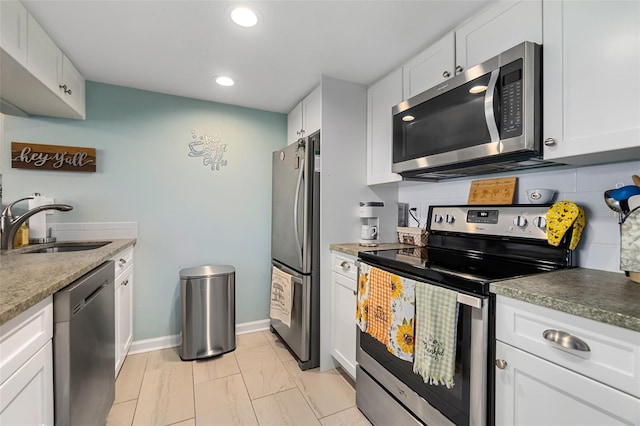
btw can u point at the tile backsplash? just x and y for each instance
(600, 244)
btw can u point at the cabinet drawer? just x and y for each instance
(613, 357)
(344, 265)
(24, 335)
(123, 260)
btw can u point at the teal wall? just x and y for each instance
(187, 214)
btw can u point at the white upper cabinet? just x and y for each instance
(381, 98)
(306, 117)
(35, 75)
(587, 119)
(430, 67)
(13, 30)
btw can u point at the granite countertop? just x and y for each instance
(354, 248)
(607, 297)
(28, 278)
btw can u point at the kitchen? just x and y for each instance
(189, 214)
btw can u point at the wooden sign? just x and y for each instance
(492, 191)
(52, 157)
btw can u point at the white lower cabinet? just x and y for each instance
(123, 306)
(553, 368)
(26, 367)
(343, 311)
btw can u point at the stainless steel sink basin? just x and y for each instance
(66, 247)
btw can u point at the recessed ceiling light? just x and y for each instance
(244, 17)
(225, 81)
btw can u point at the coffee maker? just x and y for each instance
(369, 223)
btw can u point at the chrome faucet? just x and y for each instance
(10, 224)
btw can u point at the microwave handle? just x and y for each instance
(489, 112)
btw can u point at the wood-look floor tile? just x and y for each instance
(122, 414)
(130, 378)
(277, 345)
(215, 368)
(284, 408)
(326, 392)
(349, 417)
(224, 401)
(164, 358)
(190, 422)
(250, 341)
(263, 372)
(166, 396)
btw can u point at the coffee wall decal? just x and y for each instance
(34, 156)
(210, 148)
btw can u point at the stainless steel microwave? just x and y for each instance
(485, 120)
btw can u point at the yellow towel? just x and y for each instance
(560, 217)
(362, 302)
(379, 313)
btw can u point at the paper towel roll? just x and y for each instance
(38, 222)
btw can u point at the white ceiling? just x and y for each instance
(177, 47)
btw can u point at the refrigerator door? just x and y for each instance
(291, 206)
(297, 336)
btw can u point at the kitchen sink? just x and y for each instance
(66, 247)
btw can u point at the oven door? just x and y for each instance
(463, 404)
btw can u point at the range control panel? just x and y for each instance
(519, 220)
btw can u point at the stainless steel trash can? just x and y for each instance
(208, 297)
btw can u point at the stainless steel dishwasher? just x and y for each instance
(84, 348)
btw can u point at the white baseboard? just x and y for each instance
(164, 342)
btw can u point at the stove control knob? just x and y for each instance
(540, 222)
(449, 218)
(437, 218)
(520, 221)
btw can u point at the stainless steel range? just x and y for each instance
(468, 248)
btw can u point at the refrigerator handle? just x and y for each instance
(295, 212)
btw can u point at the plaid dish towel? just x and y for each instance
(362, 301)
(436, 329)
(403, 308)
(379, 315)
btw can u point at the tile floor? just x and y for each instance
(257, 384)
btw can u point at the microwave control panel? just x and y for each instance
(511, 79)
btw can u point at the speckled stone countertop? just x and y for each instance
(354, 248)
(607, 297)
(28, 278)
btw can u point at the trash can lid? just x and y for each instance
(207, 271)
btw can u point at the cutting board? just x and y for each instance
(492, 191)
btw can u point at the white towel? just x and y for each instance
(281, 296)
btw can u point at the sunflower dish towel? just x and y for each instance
(560, 217)
(403, 306)
(362, 302)
(379, 312)
(436, 331)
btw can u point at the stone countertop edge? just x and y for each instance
(353, 248)
(28, 278)
(606, 297)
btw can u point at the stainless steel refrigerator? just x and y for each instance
(295, 242)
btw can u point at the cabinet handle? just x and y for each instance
(125, 282)
(501, 364)
(345, 265)
(459, 69)
(566, 340)
(355, 292)
(446, 74)
(122, 262)
(66, 90)
(550, 142)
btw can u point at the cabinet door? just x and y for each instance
(432, 66)
(343, 324)
(74, 82)
(123, 316)
(587, 119)
(500, 27)
(44, 59)
(532, 391)
(381, 98)
(294, 124)
(312, 112)
(26, 398)
(13, 30)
